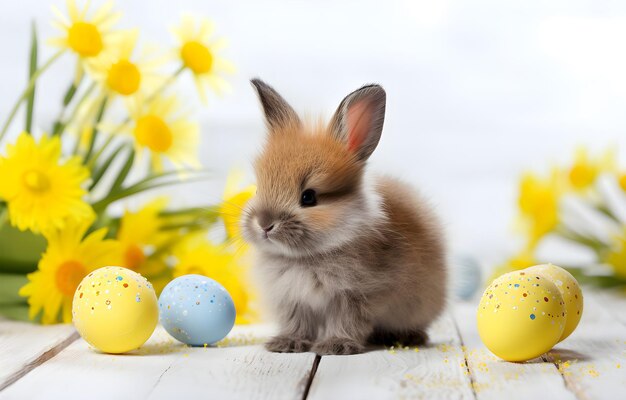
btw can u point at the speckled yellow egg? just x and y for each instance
(521, 316)
(115, 309)
(570, 290)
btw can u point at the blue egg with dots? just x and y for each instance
(196, 310)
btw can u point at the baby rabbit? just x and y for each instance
(344, 260)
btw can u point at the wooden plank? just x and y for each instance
(493, 378)
(24, 346)
(593, 359)
(614, 302)
(434, 371)
(165, 369)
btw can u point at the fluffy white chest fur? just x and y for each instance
(294, 283)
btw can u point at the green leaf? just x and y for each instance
(99, 173)
(200, 211)
(141, 186)
(17, 312)
(121, 177)
(20, 251)
(10, 285)
(32, 68)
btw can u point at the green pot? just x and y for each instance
(19, 251)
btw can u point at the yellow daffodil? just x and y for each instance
(622, 181)
(160, 129)
(42, 190)
(233, 204)
(198, 53)
(523, 259)
(538, 203)
(69, 257)
(585, 170)
(197, 255)
(140, 237)
(121, 73)
(616, 256)
(84, 33)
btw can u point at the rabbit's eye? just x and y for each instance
(309, 199)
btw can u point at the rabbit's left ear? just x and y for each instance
(358, 121)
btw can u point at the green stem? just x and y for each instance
(112, 197)
(165, 84)
(94, 134)
(92, 163)
(27, 91)
(99, 172)
(32, 68)
(67, 98)
(193, 210)
(74, 113)
(121, 177)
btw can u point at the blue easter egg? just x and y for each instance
(466, 277)
(196, 310)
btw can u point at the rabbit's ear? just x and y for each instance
(278, 113)
(358, 122)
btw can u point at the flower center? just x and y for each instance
(196, 57)
(36, 182)
(124, 77)
(152, 132)
(582, 176)
(85, 39)
(134, 257)
(68, 276)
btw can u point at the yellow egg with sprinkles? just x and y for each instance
(521, 316)
(570, 290)
(115, 309)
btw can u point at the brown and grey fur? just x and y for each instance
(367, 263)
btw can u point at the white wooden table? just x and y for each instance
(53, 362)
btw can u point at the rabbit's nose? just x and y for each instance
(265, 221)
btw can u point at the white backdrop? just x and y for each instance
(477, 91)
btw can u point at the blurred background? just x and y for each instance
(478, 92)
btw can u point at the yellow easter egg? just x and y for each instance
(570, 290)
(115, 309)
(521, 316)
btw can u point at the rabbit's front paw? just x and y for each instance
(287, 344)
(338, 346)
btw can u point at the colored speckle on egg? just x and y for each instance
(126, 285)
(532, 316)
(517, 285)
(545, 299)
(119, 278)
